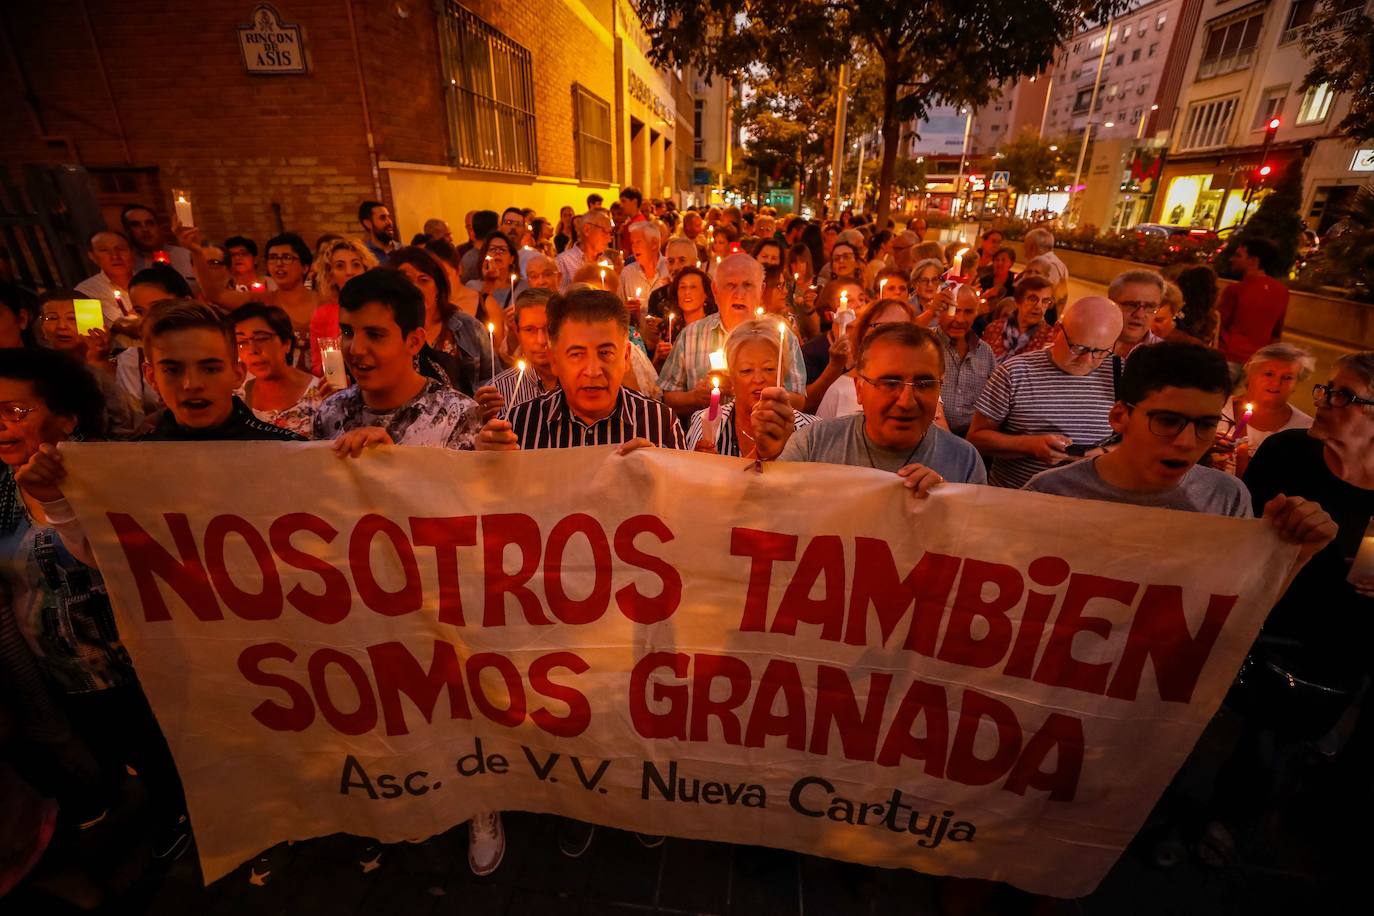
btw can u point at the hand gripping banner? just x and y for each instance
(984, 683)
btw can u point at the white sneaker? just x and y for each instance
(486, 842)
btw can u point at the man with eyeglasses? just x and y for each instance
(242, 253)
(1138, 293)
(518, 385)
(897, 380)
(1044, 408)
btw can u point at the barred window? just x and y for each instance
(1207, 124)
(592, 128)
(490, 95)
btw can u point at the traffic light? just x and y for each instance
(1264, 171)
(1274, 123)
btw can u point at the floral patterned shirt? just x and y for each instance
(438, 416)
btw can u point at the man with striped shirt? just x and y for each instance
(686, 376)
(1044, 408)
(516, 386)
(589, 337)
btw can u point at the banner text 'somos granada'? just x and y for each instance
(961, 671)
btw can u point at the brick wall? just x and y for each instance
(238, 143)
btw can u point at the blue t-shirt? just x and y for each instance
(842, 440)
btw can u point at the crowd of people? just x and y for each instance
(735, 332)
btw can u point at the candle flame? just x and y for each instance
(491, 328)
(715, 382)
(758, 312)
(1249, 408)
(520, 364)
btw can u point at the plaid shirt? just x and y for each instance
(690, 360)
(964, 378)
(547, 422)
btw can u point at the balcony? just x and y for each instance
(1226, 63)
(1338, 21)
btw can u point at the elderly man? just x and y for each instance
(437, 228)
(904, 251)
(897, 380)
(594, 234)
(588, 332)
(541, 272)
(150, 243)
(1039, 243)
(1139, 294)
(1041, 409)
(649, 270)
(111, 252)
(738, 288)
(968, 361)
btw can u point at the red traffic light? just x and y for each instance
(1274, 123)
(1265, 171)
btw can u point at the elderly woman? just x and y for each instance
(276, 391)
(1302, 684)
(926, 277)
(751, 353)
(58, 597)
(1271, 375)
(57, 330)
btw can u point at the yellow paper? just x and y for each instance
(89, 315)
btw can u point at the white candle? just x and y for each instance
(491, 341)
(758, 312)
(782, 348)
(1363, 567)
(181, 201)
(333, 363)
(717, 358)
(670, 327)
(882, 285)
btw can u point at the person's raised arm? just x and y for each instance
(223, 297)
(833, 371)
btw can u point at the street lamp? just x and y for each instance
(963, 157)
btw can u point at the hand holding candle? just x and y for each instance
(1243, 425)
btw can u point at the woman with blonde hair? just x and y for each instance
(337, 262)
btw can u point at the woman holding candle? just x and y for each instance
(456, 350)
(337, 262)
(497, 258)
(753, 364)
(276, 391)
(926, 278)
(1262, 408)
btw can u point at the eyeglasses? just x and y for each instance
(927, 281)
(1083, 349)
(1167, 424)
(1032, 299)
(14, 413)
(281, 258)
(256, 340)
(892, 387)
(1329, 396)
(1136, 305)
(51, 318)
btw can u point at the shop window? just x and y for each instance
(490, 96)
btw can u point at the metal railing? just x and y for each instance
(1338, 21)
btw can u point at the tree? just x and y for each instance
(1343, 59)
(1031, 162)
(957, 52)
(1346, 258)
(1278, 219)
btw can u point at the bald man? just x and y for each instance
(1042, 409)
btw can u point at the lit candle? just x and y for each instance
(119, 301)
(782, 348)
(717, 358)
(1244, 423)
(713, 414)
(514, 279)
(670, 327)
(491, 340)
(844, 299)
(796, 279)
(603, 277)
(959, 261)
(182, 205)
(256, 287)
(519, 364)
(758, 312)
(639, 292)
(1363, 567)
(882, 285)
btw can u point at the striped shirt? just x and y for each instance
(1029, 395)
(690, 360)
(964, 379)
(516, 388)
(548, 422)
(727, 443)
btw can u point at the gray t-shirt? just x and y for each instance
(1202, 489)
(842, 441)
